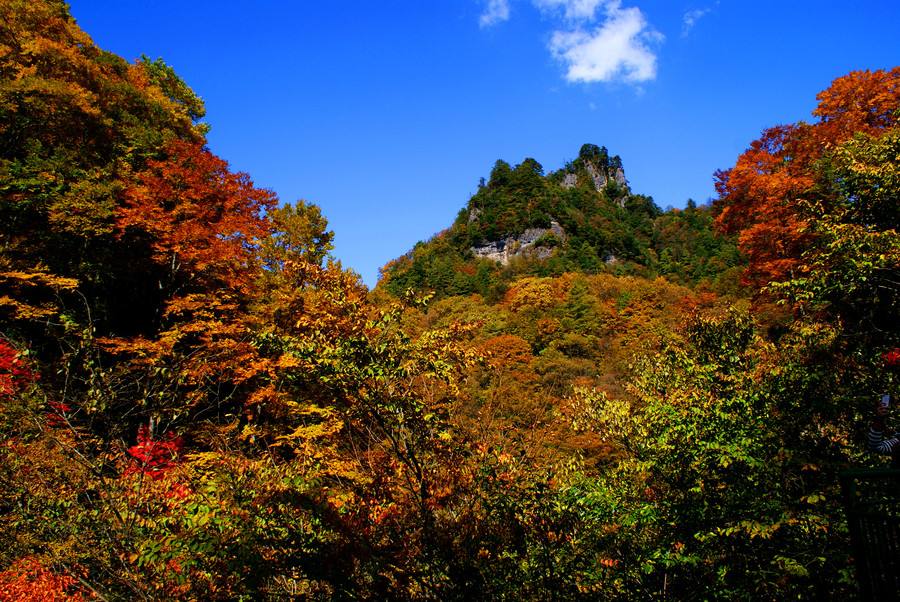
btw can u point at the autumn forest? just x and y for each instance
(568, 394)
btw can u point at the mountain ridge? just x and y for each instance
(583, 217)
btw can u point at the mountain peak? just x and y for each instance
(596, 166)
(583, 217)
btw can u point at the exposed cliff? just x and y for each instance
(533, 242)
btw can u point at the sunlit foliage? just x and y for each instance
(198, 402)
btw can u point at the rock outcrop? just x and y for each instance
(599, 176)
(527, 243)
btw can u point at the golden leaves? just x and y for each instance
(28, 292)
(38, 277)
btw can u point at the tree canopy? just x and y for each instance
(197, 401)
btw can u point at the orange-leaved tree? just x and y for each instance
(780, 184)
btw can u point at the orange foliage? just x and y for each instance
(203, 225)
(766, 197)
(536, 293)
(202, 218)
(507, 350)
(861, 101)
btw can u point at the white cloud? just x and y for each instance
(574, 9)
(619, 49)
(495, 12)
(598, 40)
(690, 19)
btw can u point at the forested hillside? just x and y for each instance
(582, 218)
(198, 402)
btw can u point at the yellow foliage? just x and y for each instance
(30, 295)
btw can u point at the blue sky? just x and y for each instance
(387, 113)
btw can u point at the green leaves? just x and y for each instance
(712, 489)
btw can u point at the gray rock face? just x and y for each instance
(599, 177)
(521, 245)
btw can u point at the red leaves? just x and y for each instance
(14, 374)
(891, 358)
(30, 581)
(154, 456)
(57, 414)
